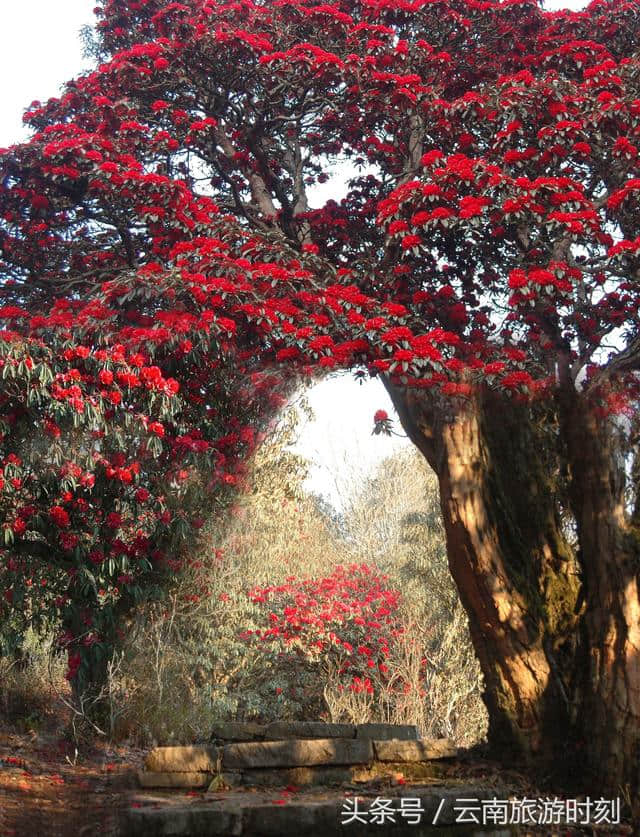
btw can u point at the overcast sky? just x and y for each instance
(41, 50)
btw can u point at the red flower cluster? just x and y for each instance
(59, 517)
(349, 616)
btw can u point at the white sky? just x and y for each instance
(41, 50)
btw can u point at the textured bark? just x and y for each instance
(514, 570)
(610, 557)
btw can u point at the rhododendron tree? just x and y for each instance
(484, 263)
(106, 473)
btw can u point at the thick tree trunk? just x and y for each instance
(609, 540)
(514, 570)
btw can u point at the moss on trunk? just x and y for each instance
(610, 559)
(512, 563)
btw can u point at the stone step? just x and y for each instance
(297, 753)
(155, 779)
(280, 730)
(415, 751)
(387, 732)
(164, 765)
(241, 731)
(183, 760)
(337, 776)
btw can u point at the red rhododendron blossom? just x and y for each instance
(59, 517)
(410, 241)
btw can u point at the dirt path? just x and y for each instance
(42, 793)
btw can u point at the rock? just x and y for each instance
(279, 730)
(294, 753)
(182, 760)
(151, 779)
(238, 731)
(325, 818)
(181, 820)
(422, 750)
(387, 732)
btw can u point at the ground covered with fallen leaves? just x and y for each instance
(47, 790)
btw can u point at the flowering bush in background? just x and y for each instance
(345, 623)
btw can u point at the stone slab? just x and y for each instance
(414, 771)
(320, 776)
(182, 760)
(387, 732)
(190, 820)
(150, 779)
(412, 751)
(321, 819)
(279, 730)
(297, 753)
(238, 731)
(324, 818)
